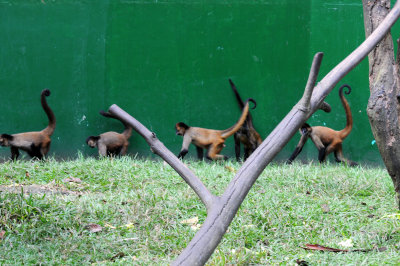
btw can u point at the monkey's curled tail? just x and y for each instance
(128, 129)
(349, 123)
(230, 131)
(52, 119)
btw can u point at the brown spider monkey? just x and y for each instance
(36, 144)
(247, 135)
(111, 143)
(326, 139)
(210, 139)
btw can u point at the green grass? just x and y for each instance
(140, 205)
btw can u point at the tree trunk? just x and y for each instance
(383, 106)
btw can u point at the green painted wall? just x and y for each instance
(169, 61)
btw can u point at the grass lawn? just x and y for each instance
(142, 205)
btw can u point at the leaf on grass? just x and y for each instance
(392, 216)
(191, 221)
(230, 168)
(129, 226)
(348, 243)
(195, 227)
(2, 233)
(325, 208)
(110, 226)
(302, 262)
(118, 256)
(381, 249)
(322, 248)
(72, 179)
(94, 228)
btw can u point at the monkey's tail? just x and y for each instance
(241, 103)
(52, 119)
(349, 119)
(230, 131)
(238, 98)
(128, 129)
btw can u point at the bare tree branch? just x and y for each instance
(158, 148)
(304, 103)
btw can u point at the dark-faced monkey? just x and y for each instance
(36, 144)
(326, 139)
(247, 135)
(111, 143)
(210, 139)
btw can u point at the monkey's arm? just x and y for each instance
(298, 149)
(185, 146)
(102, 148)
(124, 149)
(14, 153)
(320, 146)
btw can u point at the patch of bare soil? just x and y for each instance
(39, 189)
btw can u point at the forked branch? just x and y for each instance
(304, 103)
(222, 211)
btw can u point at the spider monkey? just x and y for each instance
(36, 144)
(326, 139)
(210, 139)
(247, 135)
(111, 143)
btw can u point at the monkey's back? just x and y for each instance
(326, 134)
(203, 137)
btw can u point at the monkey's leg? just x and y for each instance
(214, 150)
(237, 146)
(14, 153)
(298, 149)
(199, 153)
(37, 151)
(339, 155)
(333, 147)
(45, 149)
(341, 159)
(124, 149)
(247, 152)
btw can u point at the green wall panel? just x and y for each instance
(169, 61)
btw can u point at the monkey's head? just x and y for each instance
(305, 129)
(5, 140)
(92, 141)
(181, 128)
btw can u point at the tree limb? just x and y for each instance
(304, 103)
